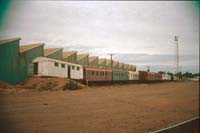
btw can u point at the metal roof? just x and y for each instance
(49, 51)
(101, 60)
(92, 58)
(4, 41)
(80, 56)
(68, 53)
(24, 48)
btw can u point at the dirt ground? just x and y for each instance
(137, 108)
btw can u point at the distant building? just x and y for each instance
(102, 63)
(30, 52)
(12, 67)
(115, 64)
(108, 63)
(83, 59)
(93, 61)
(121, 66)
(54, 53)
(70, 56)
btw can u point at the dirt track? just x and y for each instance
(110, 109)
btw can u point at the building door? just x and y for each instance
(69, 72)
(35, 68)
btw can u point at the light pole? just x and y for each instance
(177, 56)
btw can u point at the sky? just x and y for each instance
(136, 32)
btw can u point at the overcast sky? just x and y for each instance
(140, 33)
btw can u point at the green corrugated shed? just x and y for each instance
(12, 67)
(115, 65)
(54, 53)
(102, 63)
(120, 75)
(83, 59)
(30, 52)
(121, 66)
(108, 63)
(93, 61)
(70, 56)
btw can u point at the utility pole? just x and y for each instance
(177, 56)
(111, 63)
(111, 60)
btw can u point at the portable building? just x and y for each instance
(102, 63)
(97, 74)
(93, 61)
(12, 67)
(120, 75)
(115, 65)
(70, 56)
(82, 59)
(54, 53)
(50, 67)
(133, 75)
(30, 52)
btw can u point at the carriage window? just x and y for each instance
(78, 68)
(56, 64)
(97, 73)
(73, 67)
(63, 65)
(103, 73)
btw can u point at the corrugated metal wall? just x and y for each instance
(72, 58)
(29, 55)
(12, 67)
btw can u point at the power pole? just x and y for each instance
(111, 60)
(177, 56)
(111, 63)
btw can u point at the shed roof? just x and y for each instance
(24, 48)
(68, 53)
(92, 58)
(108, 61)
(115, 63)
(121, 64)
(3, 41)
(101, 60)
(49, 51)
(80, 56)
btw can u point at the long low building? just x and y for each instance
(44, 66)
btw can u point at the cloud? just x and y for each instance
(103, 27)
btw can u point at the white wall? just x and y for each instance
(133, 75)
(47, 68)
(166, 77)
(77, 74)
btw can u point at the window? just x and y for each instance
(103, 73)
(63, 65)
(78, 68)
(73, 67)
(92, 72)
(56, 64)
(97, 73)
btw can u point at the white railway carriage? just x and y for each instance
(166, 76)
(44, 66)
(133, 75)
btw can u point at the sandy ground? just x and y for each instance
(137, 108)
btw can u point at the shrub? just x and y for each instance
(71, 86)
